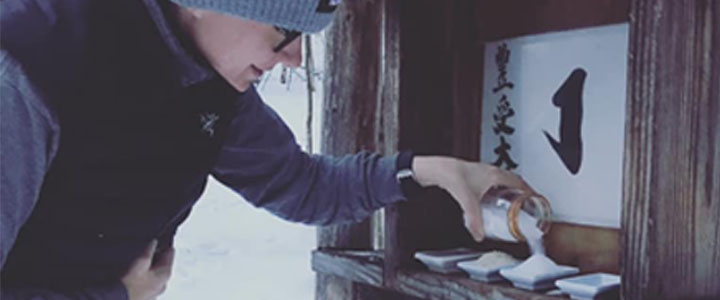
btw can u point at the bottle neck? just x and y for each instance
(542, 214)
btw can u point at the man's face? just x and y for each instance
(240, 50)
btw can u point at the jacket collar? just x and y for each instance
(192, 69)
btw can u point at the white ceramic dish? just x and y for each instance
(588, 286)
(445, 261)
(537, 282)
(480, 273)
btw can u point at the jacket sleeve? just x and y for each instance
(262, 162)
(29, 134)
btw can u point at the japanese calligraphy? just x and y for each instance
(504, 111)
(570, 101)
(503, 152)
(501, 59)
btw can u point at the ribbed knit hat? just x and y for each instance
(297, 15)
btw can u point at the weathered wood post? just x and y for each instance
(671, 205)
(358, 114)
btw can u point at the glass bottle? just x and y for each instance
(514, 215)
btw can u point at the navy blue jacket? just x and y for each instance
(110, 128)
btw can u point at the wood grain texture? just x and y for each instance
(671, 197)
(374, 293)
(389, 96)
(420, 61)
(358, 114)
(438, 114)
(360, 104)
(366, 267)
(512, 18)
(429, 285)
(359, 266)
(349, 102)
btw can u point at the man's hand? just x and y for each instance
(467, 182)
(146, 280)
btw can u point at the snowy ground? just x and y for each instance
(230, 250)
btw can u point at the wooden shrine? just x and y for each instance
(407, 74)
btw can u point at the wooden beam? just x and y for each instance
(366, 267)
(427, 285)
(439, 70)
(359, 266)
(358, 114)
(513, 18)
(671, 197)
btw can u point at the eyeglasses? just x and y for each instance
(290, 36)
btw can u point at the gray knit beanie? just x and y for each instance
(297, 15)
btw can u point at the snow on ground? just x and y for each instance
(231, 250)
(228, 249)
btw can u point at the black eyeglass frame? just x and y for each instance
(290, 36)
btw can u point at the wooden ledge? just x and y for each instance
(430, 285)
(367, 267)
(359, 266)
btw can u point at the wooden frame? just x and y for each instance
(421, 65)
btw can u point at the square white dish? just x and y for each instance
(540, 281)
(445, 261)
(588, 286)
(481, 273)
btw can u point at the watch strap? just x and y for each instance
(405, 175)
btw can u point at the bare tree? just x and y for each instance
(309, 75)
(309, 72)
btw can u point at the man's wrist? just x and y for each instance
(434, 170)
(405, 174)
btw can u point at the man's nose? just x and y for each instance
(291, 55)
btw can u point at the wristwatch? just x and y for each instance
(405, 176)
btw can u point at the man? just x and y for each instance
(114, 113)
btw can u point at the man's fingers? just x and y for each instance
(164, 262)
(472, 215)
(149, 273)
(523, 184)
(144, 261)
(474, 224)
(150, 250)
(513, 180)
(165, 259)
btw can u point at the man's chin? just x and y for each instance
(241, 86)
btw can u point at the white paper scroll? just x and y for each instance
(581, 174)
